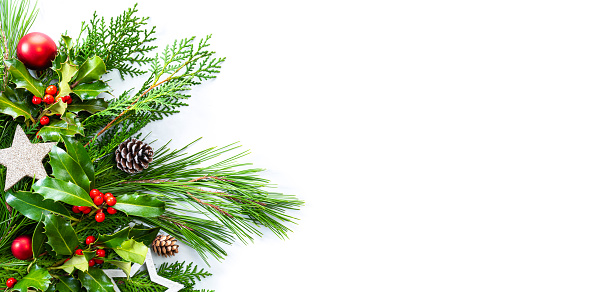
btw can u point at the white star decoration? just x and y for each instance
(23, 159)
(117, 273)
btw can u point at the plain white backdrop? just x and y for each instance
(439, 145)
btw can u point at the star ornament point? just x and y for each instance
(23, 158)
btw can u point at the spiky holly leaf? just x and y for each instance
(38, 278)
(59, 190)
(66, 72)
(33, 205)
(124, 266)
(91, 70)
(78, 262)
(140, 205)
(58, 108)
(23, 79)
(13, 102)
(131, 250)
(68, 125)
(66, 168)
(95, 280)
(60, 234)
(68, 284)
(79, 154)
(90, 90)
(92, 106)
(39, 239)
(143, 234)
(115, 239)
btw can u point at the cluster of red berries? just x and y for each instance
(49, 98)
(10, 282)
(101, 200)
(99, 252)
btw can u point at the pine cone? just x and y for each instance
(133, 156)
(164, 245)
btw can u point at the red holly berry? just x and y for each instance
(100, 217)
(79, 251)
(10, 282)
(67, 99)
(110, 200)
(90, 240)
(44, 120)
(98, 200)
(49, 99)
(86, 210)
(91, 263)
(98, 261)
(100, 253)
(111, 210)
(66, 260)
(36, 100)
(94, 192)
(75, 209)
(52, 89)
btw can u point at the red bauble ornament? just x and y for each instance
(36, 50)
(10, 282)
(22, 247)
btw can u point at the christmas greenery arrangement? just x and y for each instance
(86, 201)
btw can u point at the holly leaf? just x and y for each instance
(115, 239)
(66, 72)
(58, 107)
(23, 79)
(59, 190)
(131, 250)
(38, 278)
(68, 284)
(67, 126)
(92, 69)
(79, 154)
(92, 106)
(95, 280)
(67, 41)
(140, 205)
(60, 234)
(38, 240)
(67, 169)
(144, 234)
(124, 266)
(14, 108)
(89, 255)
(78, 262)
(90, 90)
(33, 205)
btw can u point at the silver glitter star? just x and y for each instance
(117, 273)
(23, 159)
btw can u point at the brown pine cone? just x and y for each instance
(164, 245)
(133, 156)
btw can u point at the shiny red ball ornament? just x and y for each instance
(10, 282)
(44, 120)
(100, 217)
(22, 247)
(100, 253)
(90, 240)
(36, 100)
(111, 210)
(52, 89)
(36, 50)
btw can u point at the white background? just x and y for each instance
(439, 145)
